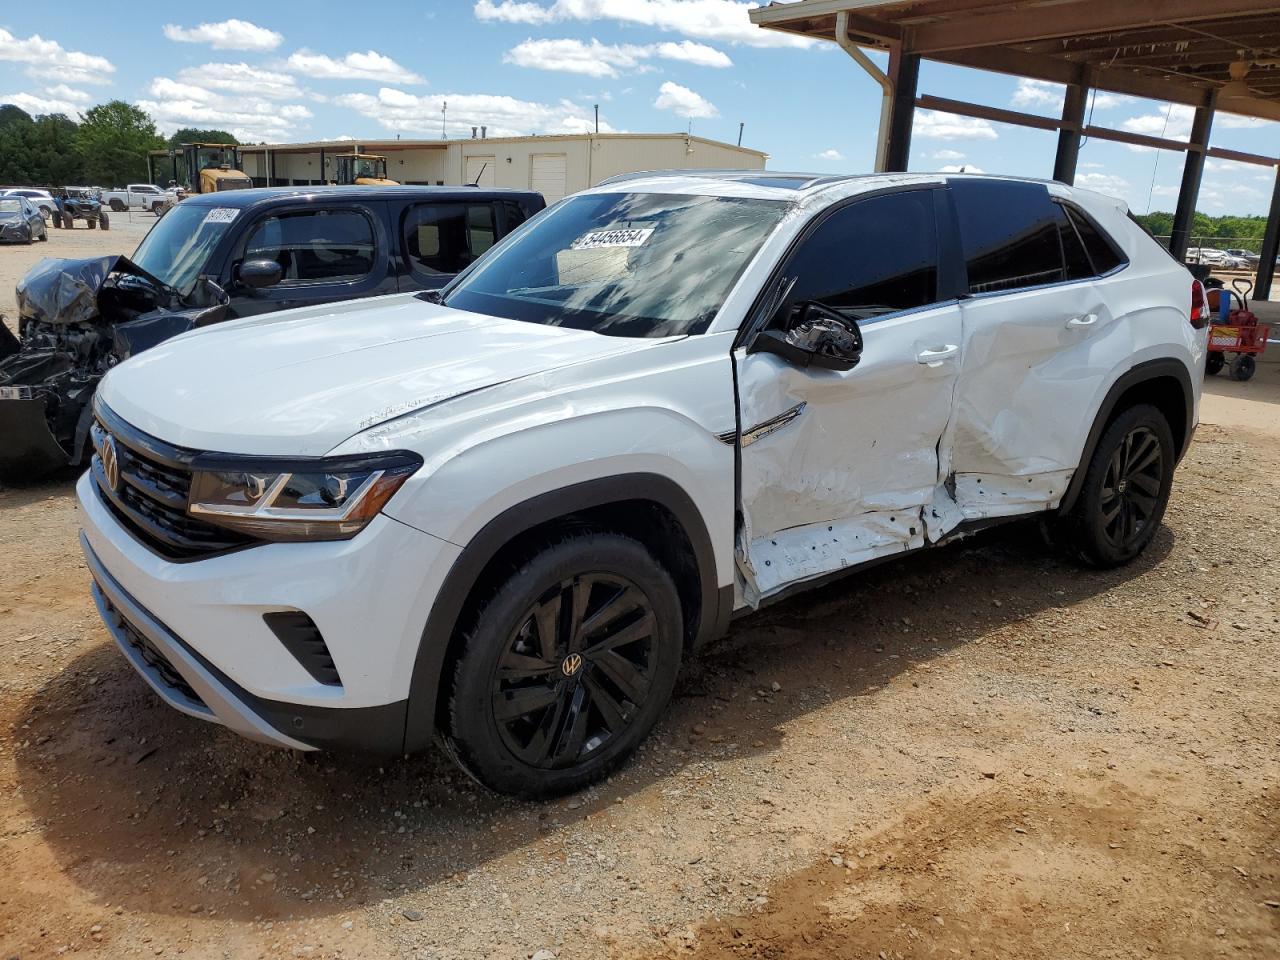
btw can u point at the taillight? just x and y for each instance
(1200, 313)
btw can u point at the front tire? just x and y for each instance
(117, 205)
(1242, 367)
(568, 666)
(1126, 488)
(1213, 362)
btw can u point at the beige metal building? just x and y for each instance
(553, 165)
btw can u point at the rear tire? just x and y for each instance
(1243, 367)
(116, 205)
(68, 221)
(1213, 362)
(543, 702)
(1126, 488)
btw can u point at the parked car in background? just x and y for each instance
(219, 256)
(503, 513)
(21, 221)
(136, 196)
(43, 199)
(1246, 258)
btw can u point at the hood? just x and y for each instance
(66, 291)
(298, 383)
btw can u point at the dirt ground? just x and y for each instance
(984, 751)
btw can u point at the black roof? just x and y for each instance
(253, 195)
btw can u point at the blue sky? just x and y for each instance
(319, 70)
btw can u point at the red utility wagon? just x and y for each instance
(1241, 333)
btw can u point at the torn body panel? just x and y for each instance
(837, 466)
(77, 319)
(1032, 368)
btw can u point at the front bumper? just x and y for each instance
(369, 597)
(17, 234)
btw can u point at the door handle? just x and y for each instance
(1088, 320)
(937, 355)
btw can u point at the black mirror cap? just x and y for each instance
(260, 273)
(816, 336)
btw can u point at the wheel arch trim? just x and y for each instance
(1145, 372)
(480, 550)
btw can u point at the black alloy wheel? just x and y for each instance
(576, 671)
(566, 667)
(1131, 487)
(1126, 488)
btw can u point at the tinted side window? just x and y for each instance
(315, 245)
(442, 238)
(1009, 234)
(1102, 251)
(873, 257)
(1073, 253)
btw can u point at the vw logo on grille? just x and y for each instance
(110, 463)
(572, 664)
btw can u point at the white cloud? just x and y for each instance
(1101, 100)
(831, 154)
(1090, 165)
(504, 116)
(37, 104)
(49, 59)
(174, 104)
(512, 11)
(682, 100)
(946, 154)
(1233, 121)
(63, 92)
(1172, 123)
(724, 20)
(936, 125)
(1038, 93)
(961, 168)
(369, 65)
(1108, 183)
(596, 59)
(242, 78)
(226, 35)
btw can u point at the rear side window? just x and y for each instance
(873, 257)
(1009, 233)
(1074, 255)
(313, 245)
(515, 214)
(1102, 251)
(443, 238)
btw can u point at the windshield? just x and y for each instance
(178, 247)
(10, 206)
(374, 169)
(624, 264)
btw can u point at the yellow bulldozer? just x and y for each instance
(362, 169)
(202, 167)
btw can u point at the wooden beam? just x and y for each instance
(1080, 18)
(927, 102)
(1134, 139)
(1221, 153)
(1016, 63)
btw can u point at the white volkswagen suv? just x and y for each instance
(503, 514)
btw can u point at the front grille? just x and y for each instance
(152, 656)
(150, 494)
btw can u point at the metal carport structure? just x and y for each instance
(1208, 54)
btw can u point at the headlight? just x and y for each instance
(313, 499)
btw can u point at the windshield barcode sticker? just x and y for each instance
(613, 238)
(221, 215)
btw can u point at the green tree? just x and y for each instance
(196, 135)
(15, 145)
(113, 140)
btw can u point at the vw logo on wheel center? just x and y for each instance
(572, 664)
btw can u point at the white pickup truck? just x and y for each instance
(135, 196)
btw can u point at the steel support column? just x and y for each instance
(904, 73)
(1064, 163)
(1192, 171)
(1270, 246)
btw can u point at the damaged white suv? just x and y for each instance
(503, 515)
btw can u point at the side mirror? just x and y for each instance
(816, 336)
(260, 273)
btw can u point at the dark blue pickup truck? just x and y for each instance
(215, 257)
